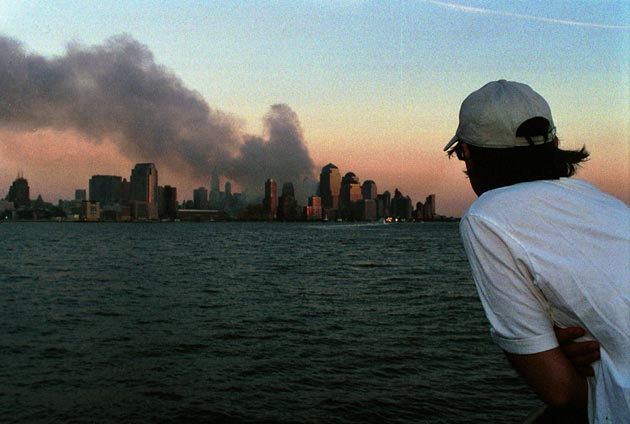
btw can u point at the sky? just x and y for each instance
(285, 87)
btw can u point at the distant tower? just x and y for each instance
(314, 209)
(19, 192)
(228, 189)
(288, 209)
(349, 194)
(270, 203)
(170, 202)
(80, 195)
(383, 205)
(144, 188)
(368, 190)
(215, 190)
(428, 211)
(401, 208)
(200, 198)
(329, 186)
(105, 189)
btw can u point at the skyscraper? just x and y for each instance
(349, 194)
(368, 190)
(329, 186)
(105, 189)
(215, 191)
(169, 197)
(200, 198)
(19, 192)
(144, 189)
(80, 195)
(288, 209)
(270, 204)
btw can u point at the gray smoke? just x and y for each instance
(117, 91)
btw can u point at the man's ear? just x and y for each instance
(466, 151)
(555, 142)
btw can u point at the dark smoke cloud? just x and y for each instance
(117, 91)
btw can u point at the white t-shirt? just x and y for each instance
(557, 251)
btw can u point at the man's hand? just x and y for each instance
(580, 354)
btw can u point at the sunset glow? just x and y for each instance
(375, 87)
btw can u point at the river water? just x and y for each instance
(246, 323)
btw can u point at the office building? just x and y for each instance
(288, 209)
(19, 192)
(402, 209)
(330, 186)
(143, 191)
(349, 194)
(105, 189)
(200, 198)
(168, 203)
(313, 212)
(270, 203)
(80, 195)
(368, 190)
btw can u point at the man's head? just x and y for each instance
(506, 135)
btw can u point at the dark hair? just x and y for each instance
(503, 167)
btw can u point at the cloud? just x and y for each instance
(116, 91)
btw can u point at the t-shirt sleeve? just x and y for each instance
(514, 306)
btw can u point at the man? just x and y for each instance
(545, 250)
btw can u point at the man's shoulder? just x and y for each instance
(528, 195)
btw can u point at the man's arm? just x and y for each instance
(580, 354)
(553, 377)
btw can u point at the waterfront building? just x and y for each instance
(80, 194)
(168, 203)
(270, 203)
(91, 211)
(365, 210)
(288, 209)
(143, 189)
(383, 205)
(19, 192)
(215, 190)
(401, 208)
(368, 190)
(330, 186)
(313, 212)
(200, 198)
(350, 193)
(105, 189)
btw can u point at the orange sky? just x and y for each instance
(56, 164)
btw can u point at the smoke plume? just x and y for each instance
(116, 91)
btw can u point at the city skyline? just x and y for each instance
(373, 86)
(346, 199)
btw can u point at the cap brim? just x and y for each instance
(454, 140)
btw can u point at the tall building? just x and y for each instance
(215, 191)
(314, 209)
(368, 190)
(329, 186)
(144, 189)
(19, 192)
(270, 204)
(200, 198)
(105, 189)
(349, 194)
(383, 205)
(80, 195)
(402, 208)
(168, 203)
(288, 209)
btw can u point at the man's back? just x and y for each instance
(557, 251)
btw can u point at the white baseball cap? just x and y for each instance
(490, 116)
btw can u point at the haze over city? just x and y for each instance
(278, 89)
